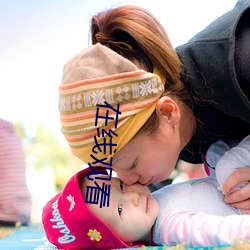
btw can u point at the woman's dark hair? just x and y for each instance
(137, 35)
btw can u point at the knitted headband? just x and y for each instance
(95, 76)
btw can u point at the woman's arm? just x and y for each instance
(237, 157)
(231, 161)
(233, 175)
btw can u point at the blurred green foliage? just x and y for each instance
(45, 150)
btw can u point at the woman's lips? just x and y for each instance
(148, 183)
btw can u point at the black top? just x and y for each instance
(217, 67)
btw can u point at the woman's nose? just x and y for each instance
(127, 178)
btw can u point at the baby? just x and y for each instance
(191, 212)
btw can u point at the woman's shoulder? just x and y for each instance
(209, 65)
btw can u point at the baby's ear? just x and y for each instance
(168, 109)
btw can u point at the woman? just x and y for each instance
(206, 93)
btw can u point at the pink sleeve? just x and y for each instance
(201, 229)
(15, 200)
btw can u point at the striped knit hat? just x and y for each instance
(98, 75)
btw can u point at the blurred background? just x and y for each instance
(37, 38)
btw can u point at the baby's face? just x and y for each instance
(132, 210)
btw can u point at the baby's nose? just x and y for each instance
(133, 197)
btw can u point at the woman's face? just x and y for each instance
(148, 159)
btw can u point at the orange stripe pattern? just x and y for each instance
(134, 91)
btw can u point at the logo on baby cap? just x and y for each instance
(71, 201)
(66, 237)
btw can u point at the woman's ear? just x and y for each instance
(168, 109)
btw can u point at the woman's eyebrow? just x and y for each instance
(116, 161)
